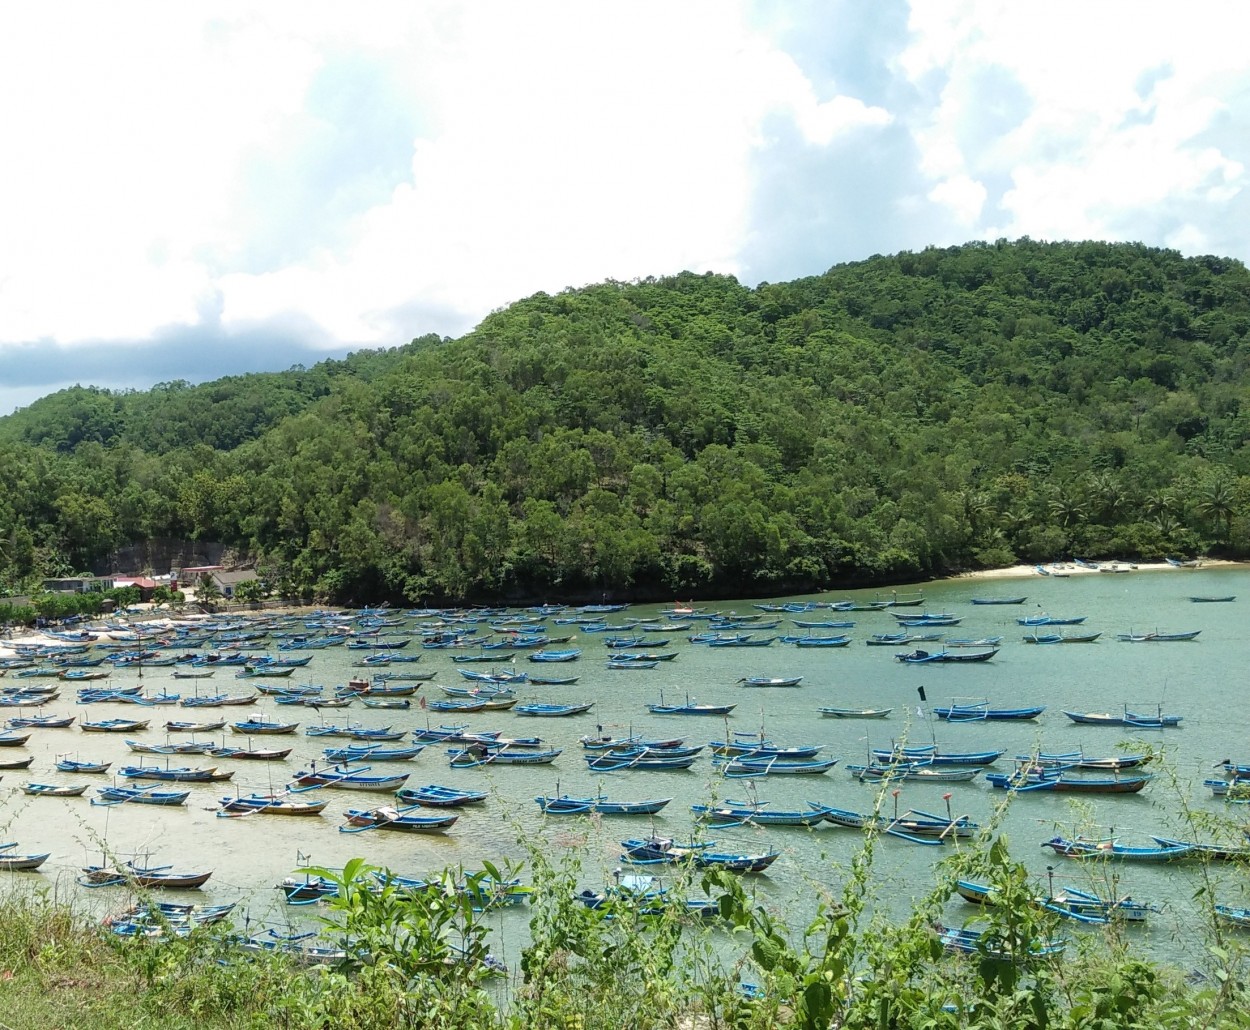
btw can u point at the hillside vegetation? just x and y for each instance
(891, 419)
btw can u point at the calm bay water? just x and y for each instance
(1204, 680)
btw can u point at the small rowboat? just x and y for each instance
(742, 813)
(433, 795)
(855, 713)
(1140, 720)
(400, 819)
(260, 754)
(928, 754)
(1068, 902)
(1214, 600)
(41, 722)
(372, 753)
(1238, 917)
(1028, 778)
(13, 739)
(54, 790)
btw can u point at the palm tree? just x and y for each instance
(1217, 501)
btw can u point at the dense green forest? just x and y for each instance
(891, 419)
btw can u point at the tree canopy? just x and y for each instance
(894, 418)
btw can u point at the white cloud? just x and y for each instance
(334, 176)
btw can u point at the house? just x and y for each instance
(78, 584)
(226, 582)
(145, 584)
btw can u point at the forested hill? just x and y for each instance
(686, 436)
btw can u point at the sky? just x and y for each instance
(197, 190)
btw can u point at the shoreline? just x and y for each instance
(1061, 570)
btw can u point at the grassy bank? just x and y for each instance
(422, 961)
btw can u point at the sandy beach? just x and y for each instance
(1062, 569)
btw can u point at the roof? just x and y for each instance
(142, 582)
(238, 576)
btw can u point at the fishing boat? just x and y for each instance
(54, 790)
(1110, 847)
(980, 711)
(553, 681)
(897, 639)
(1156, 636)
(639, 758)
(564, 804)
(981, 642)
(13, 739)
(1027, 778)
(473, 757)
(930, 754)
(966, 940)
(195, 727)
(434, 795)
(73, 765)
(921, 657)
(548, 710)
(565, 655)
(182, 774)
(743, 766)
(140, 796)
(271, 804)
(1238, 917)
(1139, 720)
(40, 722)
(263, 726)
(402, 820)
(349, 779)
(1079, 760)
(260, 754)
(741, 813)
(690, 707)
(16, 763)
(655, 850)
(14, 863)
(1061, 638)
(855, 713)
(373, 753)
(1068, 902)
(919, 771)
(136, 876)
(114, 725)
(771, 681)
(999, 600)
(924, 827)
(1042, 619)
(1223, 599)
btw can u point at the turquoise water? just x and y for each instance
(1203, 680)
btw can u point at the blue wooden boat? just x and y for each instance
(72, 765)
(1156, 637)
(817, 641)
(1079, 760)
(983, 642)
(140, 796)
(740, 813)
(855, 713)
(569, 655)
(897, 639)
(999, 600)
(1028, 778)
(913, 824)
(1215, 852)
(1238, 917)
(553, 681)
(631, 665)
(178, 774)
(114, 725)
(1223, 599)
(743, 767)
(434, 795)
(1138, 720)
(756, 745)
(606, 742)
(923, 772)
(859, 821)
(372, 753)
(739, 641)
(547, 710)
(1110, 847)
(498, 676)
(980, 711)
(349, 778)
(263, 726)
(564, 804)
(40, 722)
